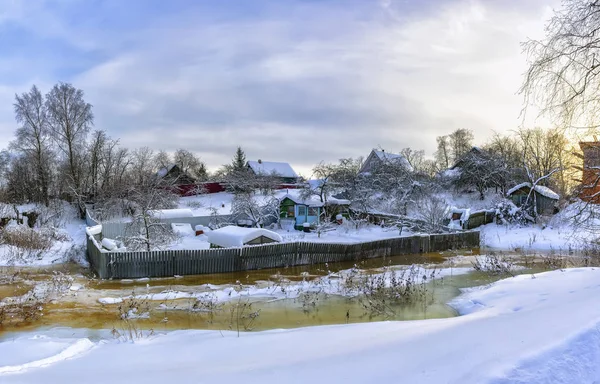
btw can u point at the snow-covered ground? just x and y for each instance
(530, 238)
(528, 329)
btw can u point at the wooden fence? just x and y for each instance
(480, 218)
(122, 265)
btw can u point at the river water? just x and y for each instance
(79, 307)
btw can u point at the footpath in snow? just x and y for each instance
(528, 329)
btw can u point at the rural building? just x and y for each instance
(545, 198)
(590, 181)
(474, 152)
(297, 210)
(232, 236)
(379, 157)
(272, 168)
(179, 181)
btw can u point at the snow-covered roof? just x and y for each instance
(312, 201)
(172, 213)
(232, 236)
(272, 168)
(163, 171)
(387, 156)
(542, 190)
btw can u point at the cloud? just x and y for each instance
(304, 82)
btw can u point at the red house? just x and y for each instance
(590, 181)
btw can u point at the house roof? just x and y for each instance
(386, 156)
(165, 170)
(311, 201)
(232, 236)
(542, 190)
(272, 168)
(174, 170)
(473, 151)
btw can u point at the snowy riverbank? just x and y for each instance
(526, 329)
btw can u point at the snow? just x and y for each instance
(183, 229)
(273, 168)
(387, 156)
(232, 236)
(109, 244)
(204, 205)
(331, 284)
(542, 190)
(531, 238)
(528, 329)
(172, 213)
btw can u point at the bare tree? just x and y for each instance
(162, 159)
(33, 139)
(432, 213)
(146, 230)
(70, 119)
(142, 165)
(461, 142)
(257, 210)
(547, 152)
(481, 170)
(416, 159)
(443, 154)
(562, 80)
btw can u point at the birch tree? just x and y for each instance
(33, 140)
(70, 119)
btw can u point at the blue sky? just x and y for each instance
(297, 81)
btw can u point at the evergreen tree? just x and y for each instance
(239, 160)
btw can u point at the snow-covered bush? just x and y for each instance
(508, 213)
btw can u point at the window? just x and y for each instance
(313, 211)
(301, 210)
(290, 211)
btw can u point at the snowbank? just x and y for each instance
(232, 236)
(183, 229)
(172, 213)
(527, 329)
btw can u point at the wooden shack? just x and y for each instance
(545, 199)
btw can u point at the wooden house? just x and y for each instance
(545, 199)
(379, 157)
(590, 181)
(232, 236)
(284, 171)
(297, 210)
(179, 181)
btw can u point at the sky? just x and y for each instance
(294, 81)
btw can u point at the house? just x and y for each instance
(296, 210)
(379, 157)
(590, 181)
(233, 236)
(273, 168)
(178, 180)
(545, 198)
(474, 152)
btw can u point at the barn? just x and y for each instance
(545, 198)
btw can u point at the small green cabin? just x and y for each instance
(545, 198)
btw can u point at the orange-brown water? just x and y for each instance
(81, 309)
